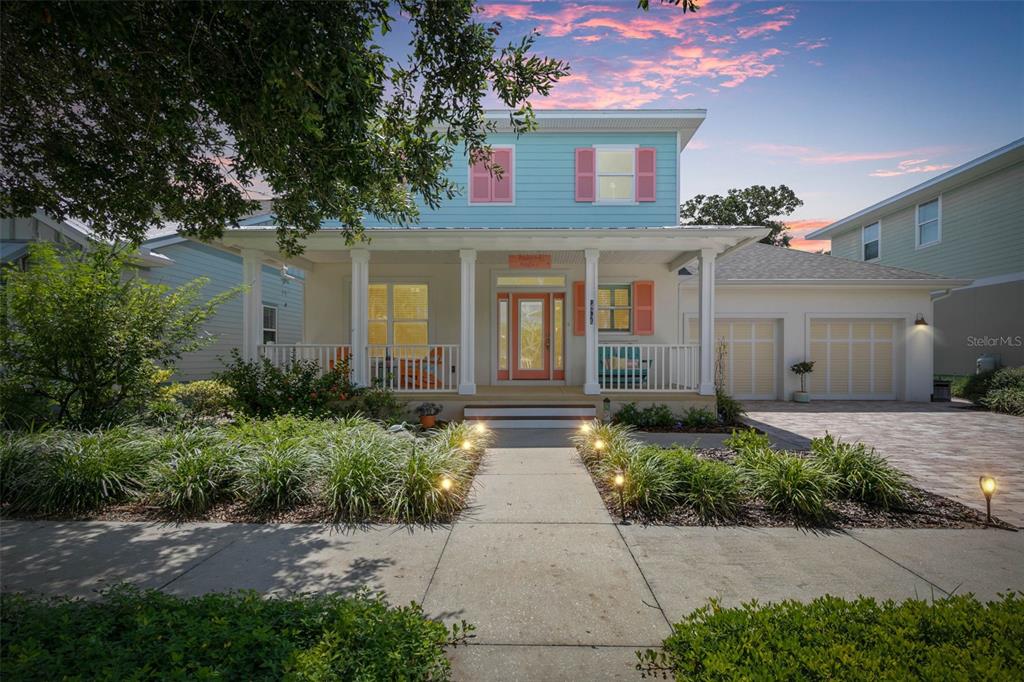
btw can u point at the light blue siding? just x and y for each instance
(224, 271)
(545, 186)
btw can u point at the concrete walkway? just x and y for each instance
(944, 447)
(555, 587)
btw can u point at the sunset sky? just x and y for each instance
(847, 103)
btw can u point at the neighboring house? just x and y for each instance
(532, 298)
(280, 307)
(965, 223)
(174, 260)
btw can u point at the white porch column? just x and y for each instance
(360, 314)
(467, 321)
(707, 321)
(591, 386)
(252, 303)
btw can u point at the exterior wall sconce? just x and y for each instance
(920, 320)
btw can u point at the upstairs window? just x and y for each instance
(929, 229)
(871, 239)
(615, 175)
(269, 324)
(485, 187)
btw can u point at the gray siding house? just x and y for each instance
(967, 223)
(282, 300)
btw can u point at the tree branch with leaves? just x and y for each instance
(755, 205)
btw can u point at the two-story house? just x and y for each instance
(534, 297)
(966, 223)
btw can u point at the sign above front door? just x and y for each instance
(529, 261)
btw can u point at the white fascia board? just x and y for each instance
(859, 283)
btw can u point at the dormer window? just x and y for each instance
(872, 241)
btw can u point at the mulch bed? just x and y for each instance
(924, 510)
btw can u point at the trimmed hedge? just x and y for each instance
(134, 635)
(956, 638)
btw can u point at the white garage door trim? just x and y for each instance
(760, 362)
(872, 340)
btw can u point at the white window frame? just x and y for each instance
(598, 148)
(274, 329)
(863, 242)
(389, 285)
(918, 223)
(469, 179)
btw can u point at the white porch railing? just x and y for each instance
(328, 356)
(415, 369)
(648, 367)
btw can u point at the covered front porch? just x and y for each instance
(492, 313)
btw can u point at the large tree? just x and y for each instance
(131, 114)
(755, 205)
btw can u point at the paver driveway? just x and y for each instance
(945, 447)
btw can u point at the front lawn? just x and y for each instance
(749, 483)
(133, 635)
(287, 468)
(834, 639)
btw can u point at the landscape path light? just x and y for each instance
(467, 445)
(446, 483)
(585, 427)
(988, 489)
(620, 483)
(599, 445)
(480, 427)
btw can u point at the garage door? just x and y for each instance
(853, 359)
(750, 362)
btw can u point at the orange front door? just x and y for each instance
(531, 336)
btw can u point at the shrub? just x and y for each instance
(192, 472)
(747, 441)
(657, 416)
(263, 390)
(681, 463)
(699, 418)
(415, 491)
(977, 386)
(472, 439)
(729, 409)
(275, 477)
(71, 473)
(1008, 400)
(377, 403)
(835, 639)
(354, 470)
(861, 474)
(201, 399)
(129, 634)
(714, 490)
(614, 437)
(648, 484)
(92, 340)
(788, 483)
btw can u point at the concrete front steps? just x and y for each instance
(520, 416)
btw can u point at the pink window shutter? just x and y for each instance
(586, 162)
(479, 184)
(501, 190)
(646, 172)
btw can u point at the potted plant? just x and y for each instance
(802, 369)
(427, 413)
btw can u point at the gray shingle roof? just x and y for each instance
(765, 262)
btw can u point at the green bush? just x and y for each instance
(274, 477)
(978, 386)
(648, 485)
(72, 473)
(699, 418)
(354, 473)
(613, 438)
(787, 483)
(150, 635)
(730, 410)
(1008, 400)
(714, 490)
(861, 474)
(415, 491)
(657, 416)
(192, 472)
(747, 441)
(957, 638)
(201, 399)
(377, 403)
(263, 390)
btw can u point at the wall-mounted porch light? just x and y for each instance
(920, 320)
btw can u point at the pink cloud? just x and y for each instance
(911, 166)
(816, 44)
(774, 10)
(798, 229)
(812, 155)
(697, 145)
(555, 24)
(587, 39)
(773, 26)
